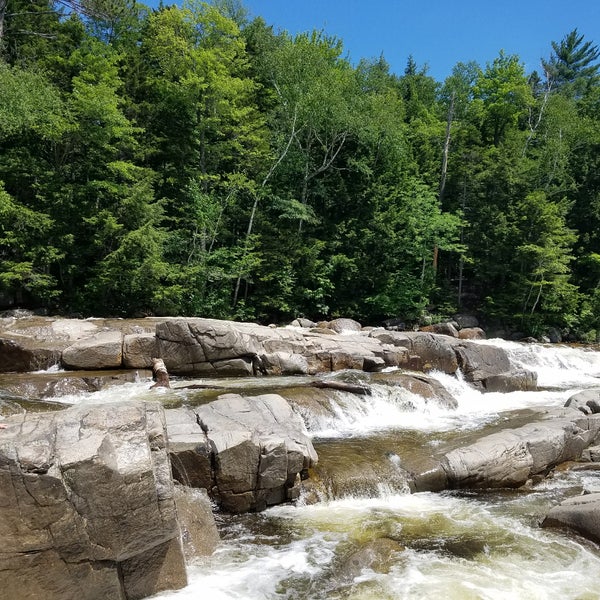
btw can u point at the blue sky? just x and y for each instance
(437, 32)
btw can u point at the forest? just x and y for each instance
(190, 160)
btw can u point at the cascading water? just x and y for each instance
(368, 538)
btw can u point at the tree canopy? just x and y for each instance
(188, 160)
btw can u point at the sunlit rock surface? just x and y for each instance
(249, 452)
(87, 505)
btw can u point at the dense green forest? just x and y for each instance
(192, 161)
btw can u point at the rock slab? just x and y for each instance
(87, 506)
(248, 452)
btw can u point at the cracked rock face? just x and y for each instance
(248, 452)
(87, 505)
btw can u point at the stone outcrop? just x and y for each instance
(248, 452)
(213, 348)
(87, 506)
(588, 401)
(511, 457)
(581, 513)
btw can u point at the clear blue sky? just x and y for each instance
(438, 33)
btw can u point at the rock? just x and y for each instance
(40, 385)
(138, 350)
(395, 324)
(480, 361)
(284, 363)
(513, 381)
(581, 514)
(433, 351)
(87, 505)
(441, 329)
(344, 325)
(591, 454)
(426, 387)
(554, 335)
(510, 457)
(466, 321)
(378, 555)
(301, 322)
(199, 533)
(103, 350)
(588, 401)
(471, 333)
(248, 452)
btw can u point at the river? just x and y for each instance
(461, 545)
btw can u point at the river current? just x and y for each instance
(373, 539)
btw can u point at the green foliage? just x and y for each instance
(188, 161)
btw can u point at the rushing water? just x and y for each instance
(376, 540)
(451, 545)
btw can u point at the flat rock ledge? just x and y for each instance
(512, 457)
(248, 452)
(87, 506)
(213, 348)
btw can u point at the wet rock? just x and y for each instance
(199, 533)
(344, 325)
(479, 361)
(87, 505)
(581, 514)
(50, 385)
(378, 555)
(510, 457)
(426, 387)
(514, 381)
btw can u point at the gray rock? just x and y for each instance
(510, 457)
(199, 532)
(102, 350)
(466, 321)
(513, 381)
(344, 325)
(247, 451)
(588, 401)
(86, 499)
(480, 361)
(581, 514)
(138, 350)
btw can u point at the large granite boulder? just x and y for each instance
(211, 347)
(34, 343)
(249, 452)
(426, 351)
(587, 401)
(87, 505)
(581, 513)
(512, 456)
(102, 350)
(478, 361)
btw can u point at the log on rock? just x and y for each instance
(87, 507)
(160, 373)
(343, 386)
